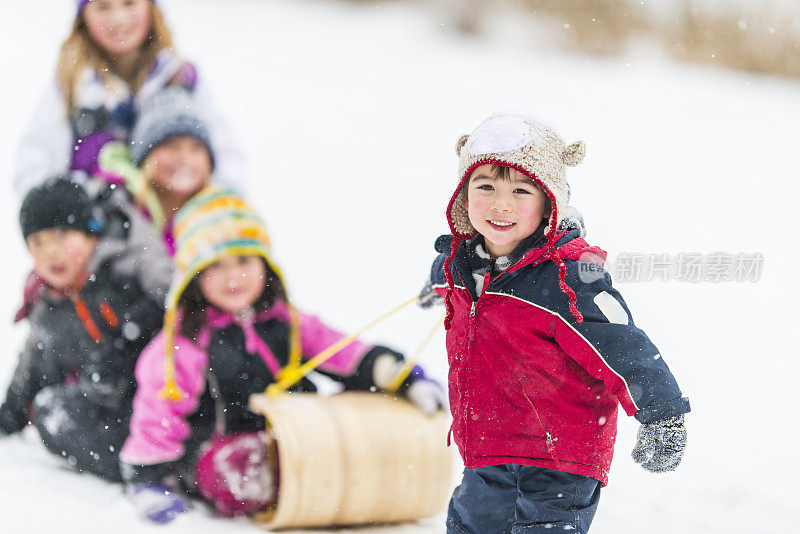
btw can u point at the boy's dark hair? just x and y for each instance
(501, 172)
(193, 304)
(57, 203)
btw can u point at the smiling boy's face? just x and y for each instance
(504, 211)
(61, 255)
(181, 165)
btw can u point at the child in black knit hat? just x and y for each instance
(74, 380)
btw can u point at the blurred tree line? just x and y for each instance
(753, 35)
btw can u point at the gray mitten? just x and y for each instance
(572, 219)
(660, 444)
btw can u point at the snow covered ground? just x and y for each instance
(350, 113)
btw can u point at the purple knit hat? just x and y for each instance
(82, 4)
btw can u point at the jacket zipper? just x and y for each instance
(470, 340)
(548, 436)
(470, 337)
(549, 441)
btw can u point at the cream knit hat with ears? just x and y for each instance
(522, 143)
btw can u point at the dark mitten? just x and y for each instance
(13, 417)
(660, 444)
(428, 297)
(572, 219)
(110, 201)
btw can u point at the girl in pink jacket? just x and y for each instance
(229, 330)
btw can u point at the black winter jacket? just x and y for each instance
(91, 340)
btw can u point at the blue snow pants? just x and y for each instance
(517, 499)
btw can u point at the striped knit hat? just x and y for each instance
(168, 113)
(534, 149)
(214, 224)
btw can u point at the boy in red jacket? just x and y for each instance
(541, 347)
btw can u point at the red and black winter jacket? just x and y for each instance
(528, 383)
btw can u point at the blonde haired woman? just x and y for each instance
(118, 54)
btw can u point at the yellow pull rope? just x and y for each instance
(290, 376)
(295, 349)
(411, 362)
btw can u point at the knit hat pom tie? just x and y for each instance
(448, 303)
(171, 391)
(562, 282)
